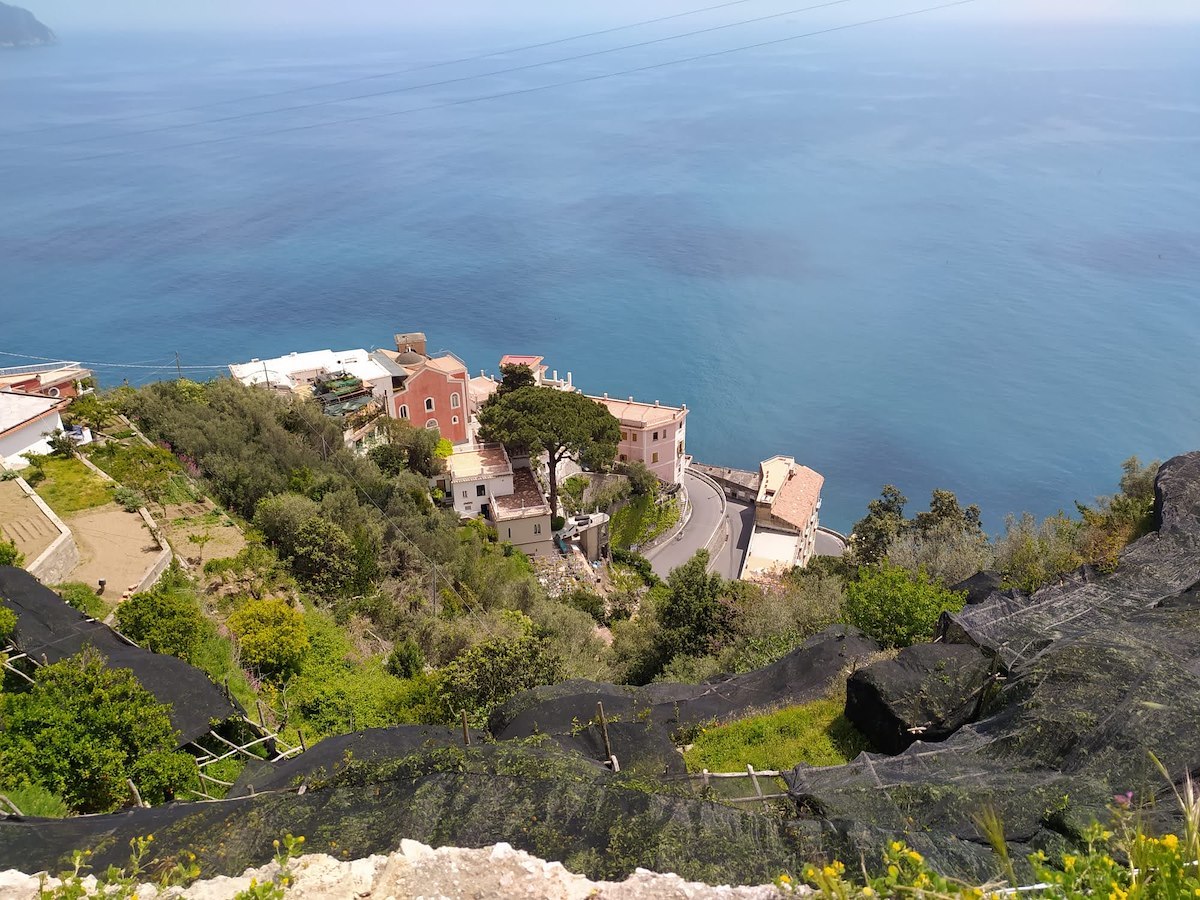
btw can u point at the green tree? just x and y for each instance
(557, 423)
(148, 470)
(1137, 481)
(481, 678)
(895, 606)
(82, 729)
(324, 557)
(165, 619)
(873, 534)
(419, 447)
(694, 619)
(10, 555)
(641, 479)
(513, 378)
(61, 444)
(90, 411)
(280, 518)
(271, 635)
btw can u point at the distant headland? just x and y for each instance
(20, 28)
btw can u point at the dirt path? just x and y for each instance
(114, 545)
(23, 523)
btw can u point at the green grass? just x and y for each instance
(816, 733)
(35, 800)
(642, 520)
(70, 486)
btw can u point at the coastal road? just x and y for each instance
(706, 518)
(740, 517)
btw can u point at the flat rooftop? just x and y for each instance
(634, 412)
(510, 359)
(17, 409)
(526, 500)
(770, 552)
(281, 371)
(485, 461)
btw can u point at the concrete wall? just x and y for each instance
(467, 500)
(531, 536)
(28, 439)
(56, 562)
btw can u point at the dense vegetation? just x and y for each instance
(359, 601)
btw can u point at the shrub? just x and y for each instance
(406, 660)
(130, 500)
(35, 800)
(271, 635)
(587, 601)
(638, 563)
(323, 557)
(165, 619)
(82, 729)
(487, 674)
(82, 597)
(8, 622)
(10, 555)
(897, 607)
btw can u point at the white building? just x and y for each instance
(476, 474)
(300, 370)
(25, 420)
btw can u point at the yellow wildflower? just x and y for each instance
(785, 879)
(868, 892)
(1170, 841)
(915, 856)
(893, 871)
(897, 846)
(1069, 862)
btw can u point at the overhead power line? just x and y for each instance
(585, 79)
(524, 67)
(168, 364)
(392, 74)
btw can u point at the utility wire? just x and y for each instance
(457, 80)
(101, 365)
(537, 88)
(361, 78)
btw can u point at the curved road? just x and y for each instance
(706, 518)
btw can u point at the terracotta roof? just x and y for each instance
(447, 364)
(526, 500)
(633, 412)
(484, 461)
(791, 490)
(532, 361)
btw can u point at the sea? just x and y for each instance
(924, 252)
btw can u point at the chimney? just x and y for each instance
(656, 403)
(631, 398)
(411, 340)
(606, 395)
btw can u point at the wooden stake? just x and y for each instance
(466, 729)
(604, 729)
(137, 798)
(11, 805)
(262, 720)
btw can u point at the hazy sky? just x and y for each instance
(234, 15)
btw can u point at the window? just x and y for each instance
(655, 436)
(404, 412)
(510, 532)
(537, 527)
(454, 420)
(481, 490)
(428, 404)
(654, 457)
(624, 435)
(455, 402)
(633, 436)
(432, 423)
(623, 458)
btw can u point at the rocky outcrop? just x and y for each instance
(19, 28)
(1099, 673)
(416, 870)
(926, 693)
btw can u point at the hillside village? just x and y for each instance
(361, 388)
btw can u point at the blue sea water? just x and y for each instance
(928, 254)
